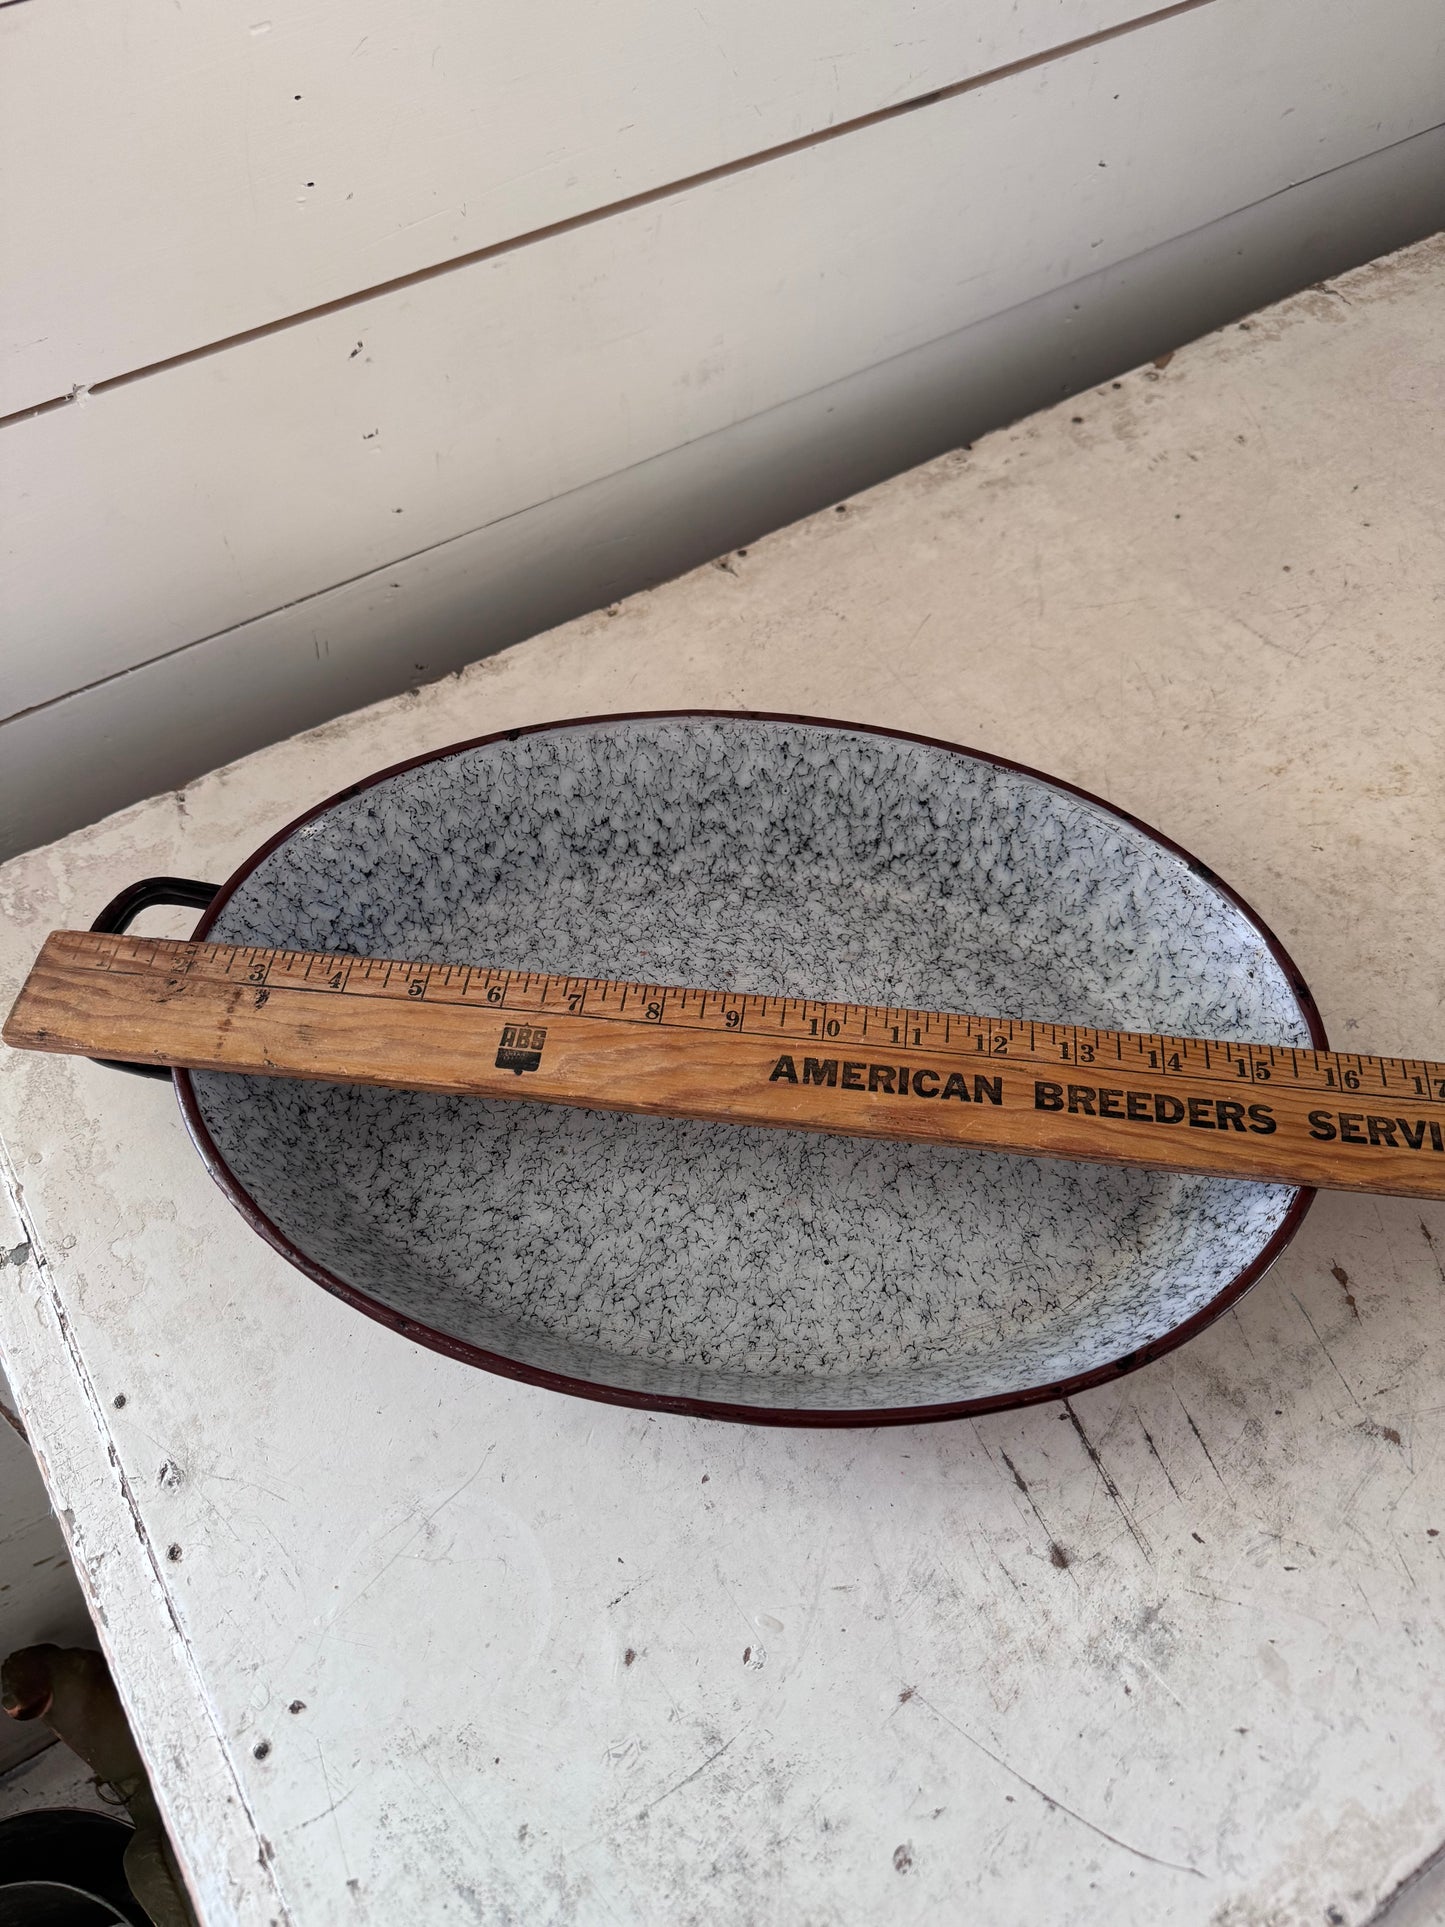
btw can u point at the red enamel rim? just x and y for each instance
(505, 1367)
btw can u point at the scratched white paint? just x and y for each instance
(230, 486)
(39, 1598)
(861, 1688)
(117, 1567)
(178, 173)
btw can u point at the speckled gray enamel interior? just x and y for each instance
(751, 1267)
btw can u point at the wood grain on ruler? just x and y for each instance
(1342, 1120)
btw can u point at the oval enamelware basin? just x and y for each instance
(761, 1275)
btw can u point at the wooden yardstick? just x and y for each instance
(1342, 1120)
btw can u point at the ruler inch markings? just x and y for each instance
(1351, 1120)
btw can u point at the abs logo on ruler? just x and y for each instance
(521, 1047)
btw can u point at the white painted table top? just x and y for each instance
(404, 1641)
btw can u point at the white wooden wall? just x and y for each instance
(345, 342)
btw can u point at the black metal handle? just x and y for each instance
(122, 911)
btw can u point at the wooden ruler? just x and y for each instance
(1339, 1119)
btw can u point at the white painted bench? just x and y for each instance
(406, 1642)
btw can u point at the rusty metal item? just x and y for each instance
(71, 1689)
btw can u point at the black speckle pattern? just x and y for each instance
(711, 1262)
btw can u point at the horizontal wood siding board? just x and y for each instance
(161, 725)
(166, 510)
(176, 175)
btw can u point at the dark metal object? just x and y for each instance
(122, 911)
(505, 1367)
(71, 1689)
(64, 1868)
